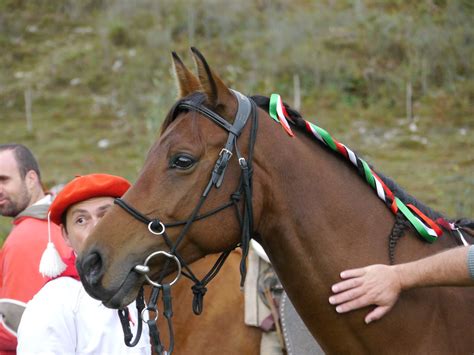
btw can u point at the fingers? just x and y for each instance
(352, 273)
(353, 304)
(346, 285)
(349, 295)
(377, 313)
(362, 287)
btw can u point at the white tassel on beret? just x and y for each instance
(51, 264)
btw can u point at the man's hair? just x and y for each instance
(64, 220)
(24, 158)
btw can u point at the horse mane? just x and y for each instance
(299, 122)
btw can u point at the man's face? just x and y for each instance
(82, 217)
(14, 193)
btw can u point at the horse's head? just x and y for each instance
(179, 173)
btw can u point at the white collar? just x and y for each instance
(46, 200)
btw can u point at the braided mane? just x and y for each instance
(401, 223)
(263, 103)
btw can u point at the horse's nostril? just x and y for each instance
(92, 267)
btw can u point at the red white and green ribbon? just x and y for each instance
(426, 227)
(278, 113)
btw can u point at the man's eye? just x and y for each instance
(80, 220)
(182, 162)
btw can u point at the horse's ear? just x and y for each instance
(187, 81)
(215, 89)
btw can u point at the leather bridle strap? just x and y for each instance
(124, 316)
(156, 222)
(241, 118)
(246, 109)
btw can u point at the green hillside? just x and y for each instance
(86, 84)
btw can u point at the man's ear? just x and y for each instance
(31, 179)
(65, 235)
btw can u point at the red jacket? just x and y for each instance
(19, 266)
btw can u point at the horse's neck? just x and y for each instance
(319, 206)
(317, 218)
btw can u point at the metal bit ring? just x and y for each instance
(168, 255)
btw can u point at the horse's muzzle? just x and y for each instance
(91, 268)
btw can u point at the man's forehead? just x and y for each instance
(8, 164)
(7, 155)
(92, 204)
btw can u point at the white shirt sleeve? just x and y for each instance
(48, 323)
(470, 261)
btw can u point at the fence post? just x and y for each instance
(297, 92)
(409, 101)
(28, 104)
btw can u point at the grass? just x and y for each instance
(101, 71)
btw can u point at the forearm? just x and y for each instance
(449, 268)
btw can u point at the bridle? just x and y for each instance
(246, 109)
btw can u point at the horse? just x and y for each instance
(302, 200)
(223, 309)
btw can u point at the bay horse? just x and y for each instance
(302, 201)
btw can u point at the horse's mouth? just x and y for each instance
(115, 297)
(126, 293)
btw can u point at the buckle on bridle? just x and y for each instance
(227, 151)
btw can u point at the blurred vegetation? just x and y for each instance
(99, 75)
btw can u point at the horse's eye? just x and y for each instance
(182, 162)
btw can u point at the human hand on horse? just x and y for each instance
(381, 285)
(371, 285)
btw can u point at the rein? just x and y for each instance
(246, 109)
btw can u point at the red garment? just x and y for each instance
(70, 270)
(19, 266)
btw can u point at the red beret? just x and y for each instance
(85, 187)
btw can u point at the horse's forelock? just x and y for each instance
(197, 98)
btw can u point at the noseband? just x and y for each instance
(246, 109)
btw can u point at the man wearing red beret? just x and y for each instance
(62, 318)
